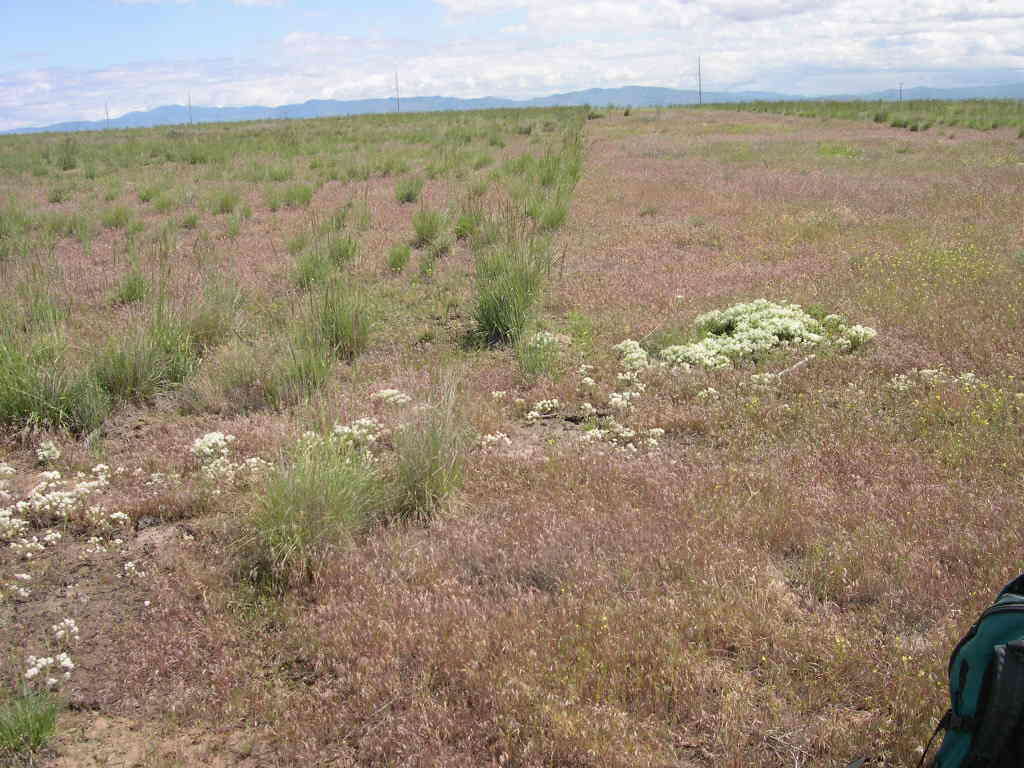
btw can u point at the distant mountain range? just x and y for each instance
(631, 95)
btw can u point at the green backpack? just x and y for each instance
(984, 727)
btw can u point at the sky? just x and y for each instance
(73, 59)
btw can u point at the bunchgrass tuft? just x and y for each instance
(298, 196)
(342, 249)
(133, 287)
(156, 357)
(118, 217)
(427, 225)
(27, 721)
(408, 190)
(509, 281)
(39, 387)
(326, 492)
(312, 266)
(341, 318)
(398, 257)
(429, 459)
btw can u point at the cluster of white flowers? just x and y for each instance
(161, 479)
(708, 393)
(623, 437)
(27, 548)
(495, 438)
(65, 631)
(224, 472)
(212, 445)
(903, 382)
(546, 339)
(38, 666)
(622, 400)
(214, 451)
(764, 379)
(634, 357)
(132, 571)
(97, 517)
(543, 408)
(743, 331)
(95, 546)
(47, 452)
(391, 397)
(16, 587)
(499, 394)
(900, 382)
(853, 337)
(52, 499)
(361, 433)
(587, 410)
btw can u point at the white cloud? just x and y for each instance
(546, 46)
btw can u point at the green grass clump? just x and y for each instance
(509, 282)
(117, 217)
(408, 190)
(298, 196)
(468, 223)
(427, 225)
(341, 320)
(342, 250)
(225, 202)
(40, 388)
(312, 267)
(398, 257)
(328, 491)
(27, 721)
(133, 287)
(138, 367)
(429, 460)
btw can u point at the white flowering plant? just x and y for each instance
(750, 330)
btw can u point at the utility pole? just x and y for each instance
(901, 93)
(106, 109)
(398, 98)
(700, 85)
(190, 107)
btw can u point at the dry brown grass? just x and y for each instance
(778, 583)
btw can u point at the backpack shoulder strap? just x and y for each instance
(1002, 696)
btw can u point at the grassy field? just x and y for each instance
(676, 438)
(913, 114)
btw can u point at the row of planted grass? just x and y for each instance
(165, 352)
(202, 344)
(914, 115)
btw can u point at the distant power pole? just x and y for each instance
(106, 108)
(190, 107)
(901, 93)
(398, 99)
(700, 85)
